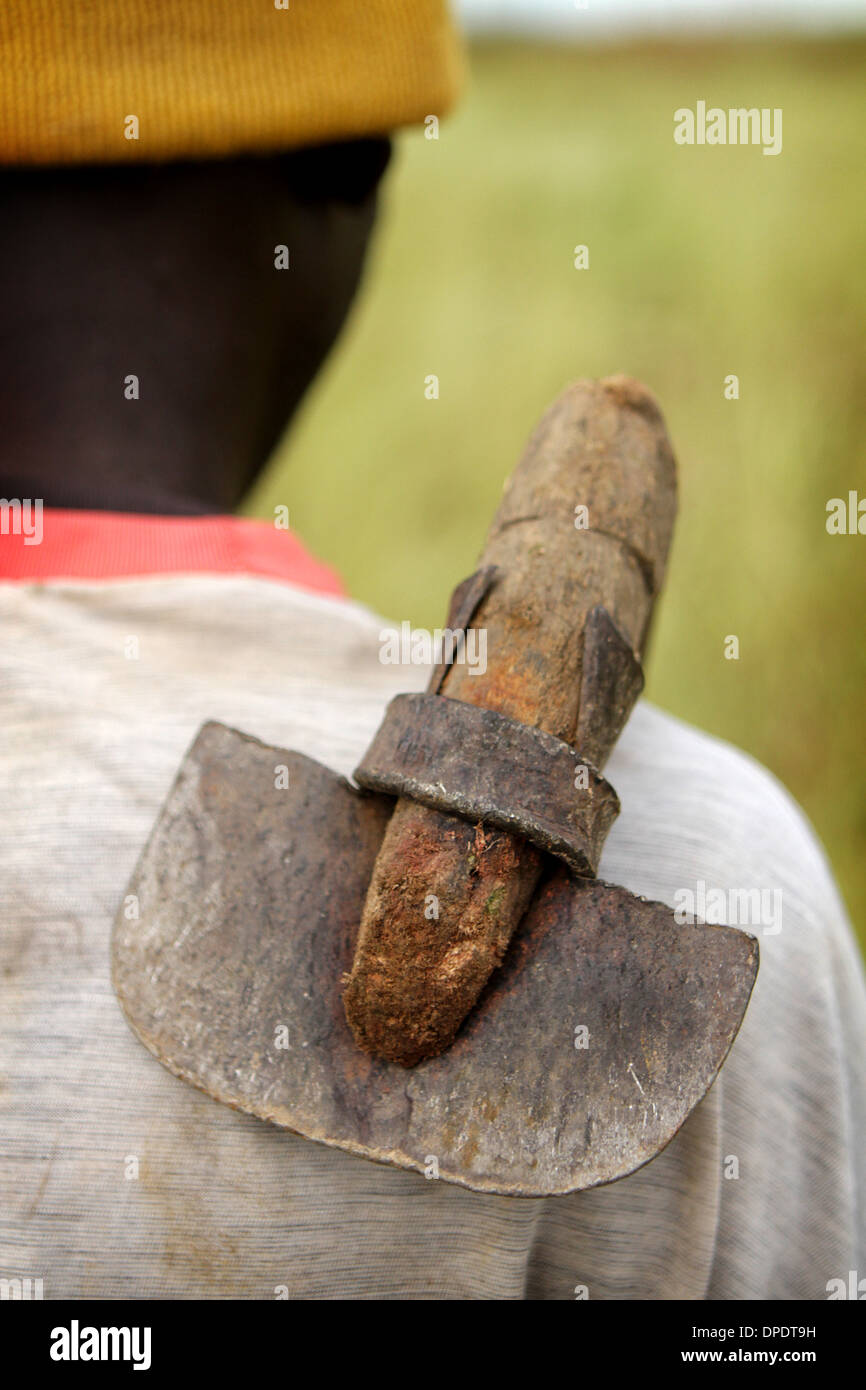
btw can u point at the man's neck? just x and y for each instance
(153, 347)
(91, 472)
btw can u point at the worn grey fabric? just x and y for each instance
(102, 687)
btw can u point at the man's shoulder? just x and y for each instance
(696, 809)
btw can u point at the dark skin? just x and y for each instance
(167, 272)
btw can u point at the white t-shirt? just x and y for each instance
(102, 687)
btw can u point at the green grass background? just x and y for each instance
(703, 262)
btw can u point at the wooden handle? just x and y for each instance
(586, 519)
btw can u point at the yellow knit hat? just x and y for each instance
(117, 80)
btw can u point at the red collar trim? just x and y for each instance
(117, 545)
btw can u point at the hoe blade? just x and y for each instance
(605, 1026)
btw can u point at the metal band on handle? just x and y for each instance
(482, 766)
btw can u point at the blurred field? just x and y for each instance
(703, 262)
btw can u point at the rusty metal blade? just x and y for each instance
(601, 1032)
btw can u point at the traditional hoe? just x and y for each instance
(297, 950)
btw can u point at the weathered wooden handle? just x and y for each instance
(586, 520)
